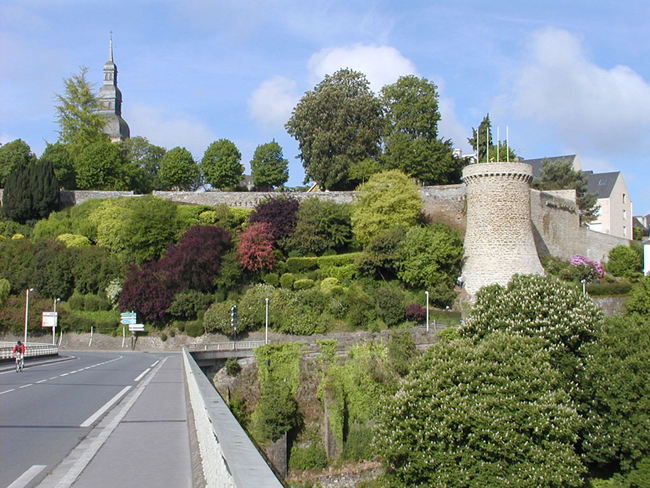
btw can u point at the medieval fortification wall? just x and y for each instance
(499, 200)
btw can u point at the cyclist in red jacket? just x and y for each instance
(19, 348)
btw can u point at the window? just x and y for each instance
(624, 231)
(624, 198)
(624, 215)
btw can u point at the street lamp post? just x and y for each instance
(56, 300)
(427, 294)
(26, 313)
(266, 330)
(584, 286)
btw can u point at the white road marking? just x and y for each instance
(142, 374)
(64, 374)
(39, 382)
(155, 363)
(27, 476)
(7, 391)
(75, 471)
(25, 386)
(106, 406)
(54, 377)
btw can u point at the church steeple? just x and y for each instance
(111, 100)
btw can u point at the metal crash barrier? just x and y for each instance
(32, 350)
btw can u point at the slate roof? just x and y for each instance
(602, 183)
(538, 162)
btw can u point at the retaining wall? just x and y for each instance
(228, 456)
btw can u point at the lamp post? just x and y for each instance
(427, 294)
(56, 300)
(584, 286)
(26, 313)
(266, 330)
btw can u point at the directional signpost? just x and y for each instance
(131, 319)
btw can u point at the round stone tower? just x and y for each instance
(499, 241)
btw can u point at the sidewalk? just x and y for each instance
(142, 442)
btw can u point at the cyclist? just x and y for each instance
(19, 353)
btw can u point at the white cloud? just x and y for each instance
(449, 127)
(168, 131)
(590, 108)
(382, 65)
(272, 102)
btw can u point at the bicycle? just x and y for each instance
(20, 363)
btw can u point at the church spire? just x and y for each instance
(111, 100)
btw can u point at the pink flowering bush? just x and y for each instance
(588, 269)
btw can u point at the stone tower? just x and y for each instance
(110, 98)
(499, 240)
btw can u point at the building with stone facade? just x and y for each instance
(110, 98)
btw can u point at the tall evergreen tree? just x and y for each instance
(31, 192)
(80, 123)
(487, 150)
(59, 155)
(13, 154)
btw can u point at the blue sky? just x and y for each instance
(566, 77)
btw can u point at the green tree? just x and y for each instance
(179, 171)
(5, 289)
(101, 166)
(560, 175)
(486, 147)
(387, 199)
(616, 403)
(145, 156)
(31, 193)
(221, 164)
(557, 313)
(638, 300)
(430, 256)
(64, 169)
(336, 125)
(625, 260)
(150, 227)
(410, 136)
(321, 225)
(268, 166)
(492, 414)
(14, 154)
(80, 123)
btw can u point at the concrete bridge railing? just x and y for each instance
(32, 349)
(229, 457)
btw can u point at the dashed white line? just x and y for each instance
(7, 391)
(27, 476)
(106, 406)
(141, 375)
(25, 386)
(39, 382)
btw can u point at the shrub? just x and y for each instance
(401, 350)
(279, 213)
(76, 302)
(217, 318)
(311, 457)
(194, 329)
(301, 265)
(73, 240)
(328, 285)
(415, 312)
(287, 280)
(93, 303)
(163, 336)
(608, 289)
(232, 367)
(389, 303)
(587, 269)
(144, 292)
(303, 284)
(625, 260)
(188, 305)
(271, 279)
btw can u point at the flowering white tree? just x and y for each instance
(559, 314)
(492, 414)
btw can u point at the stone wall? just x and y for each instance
(247, 199)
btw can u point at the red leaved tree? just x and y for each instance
(255, 247)
(280, 213)
(193, 263)
(145, 293)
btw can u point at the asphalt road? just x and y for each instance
(46, 410)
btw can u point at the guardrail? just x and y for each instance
(32, 349)
(228, 456)
(225, 346)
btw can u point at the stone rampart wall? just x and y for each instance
(247, 199)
